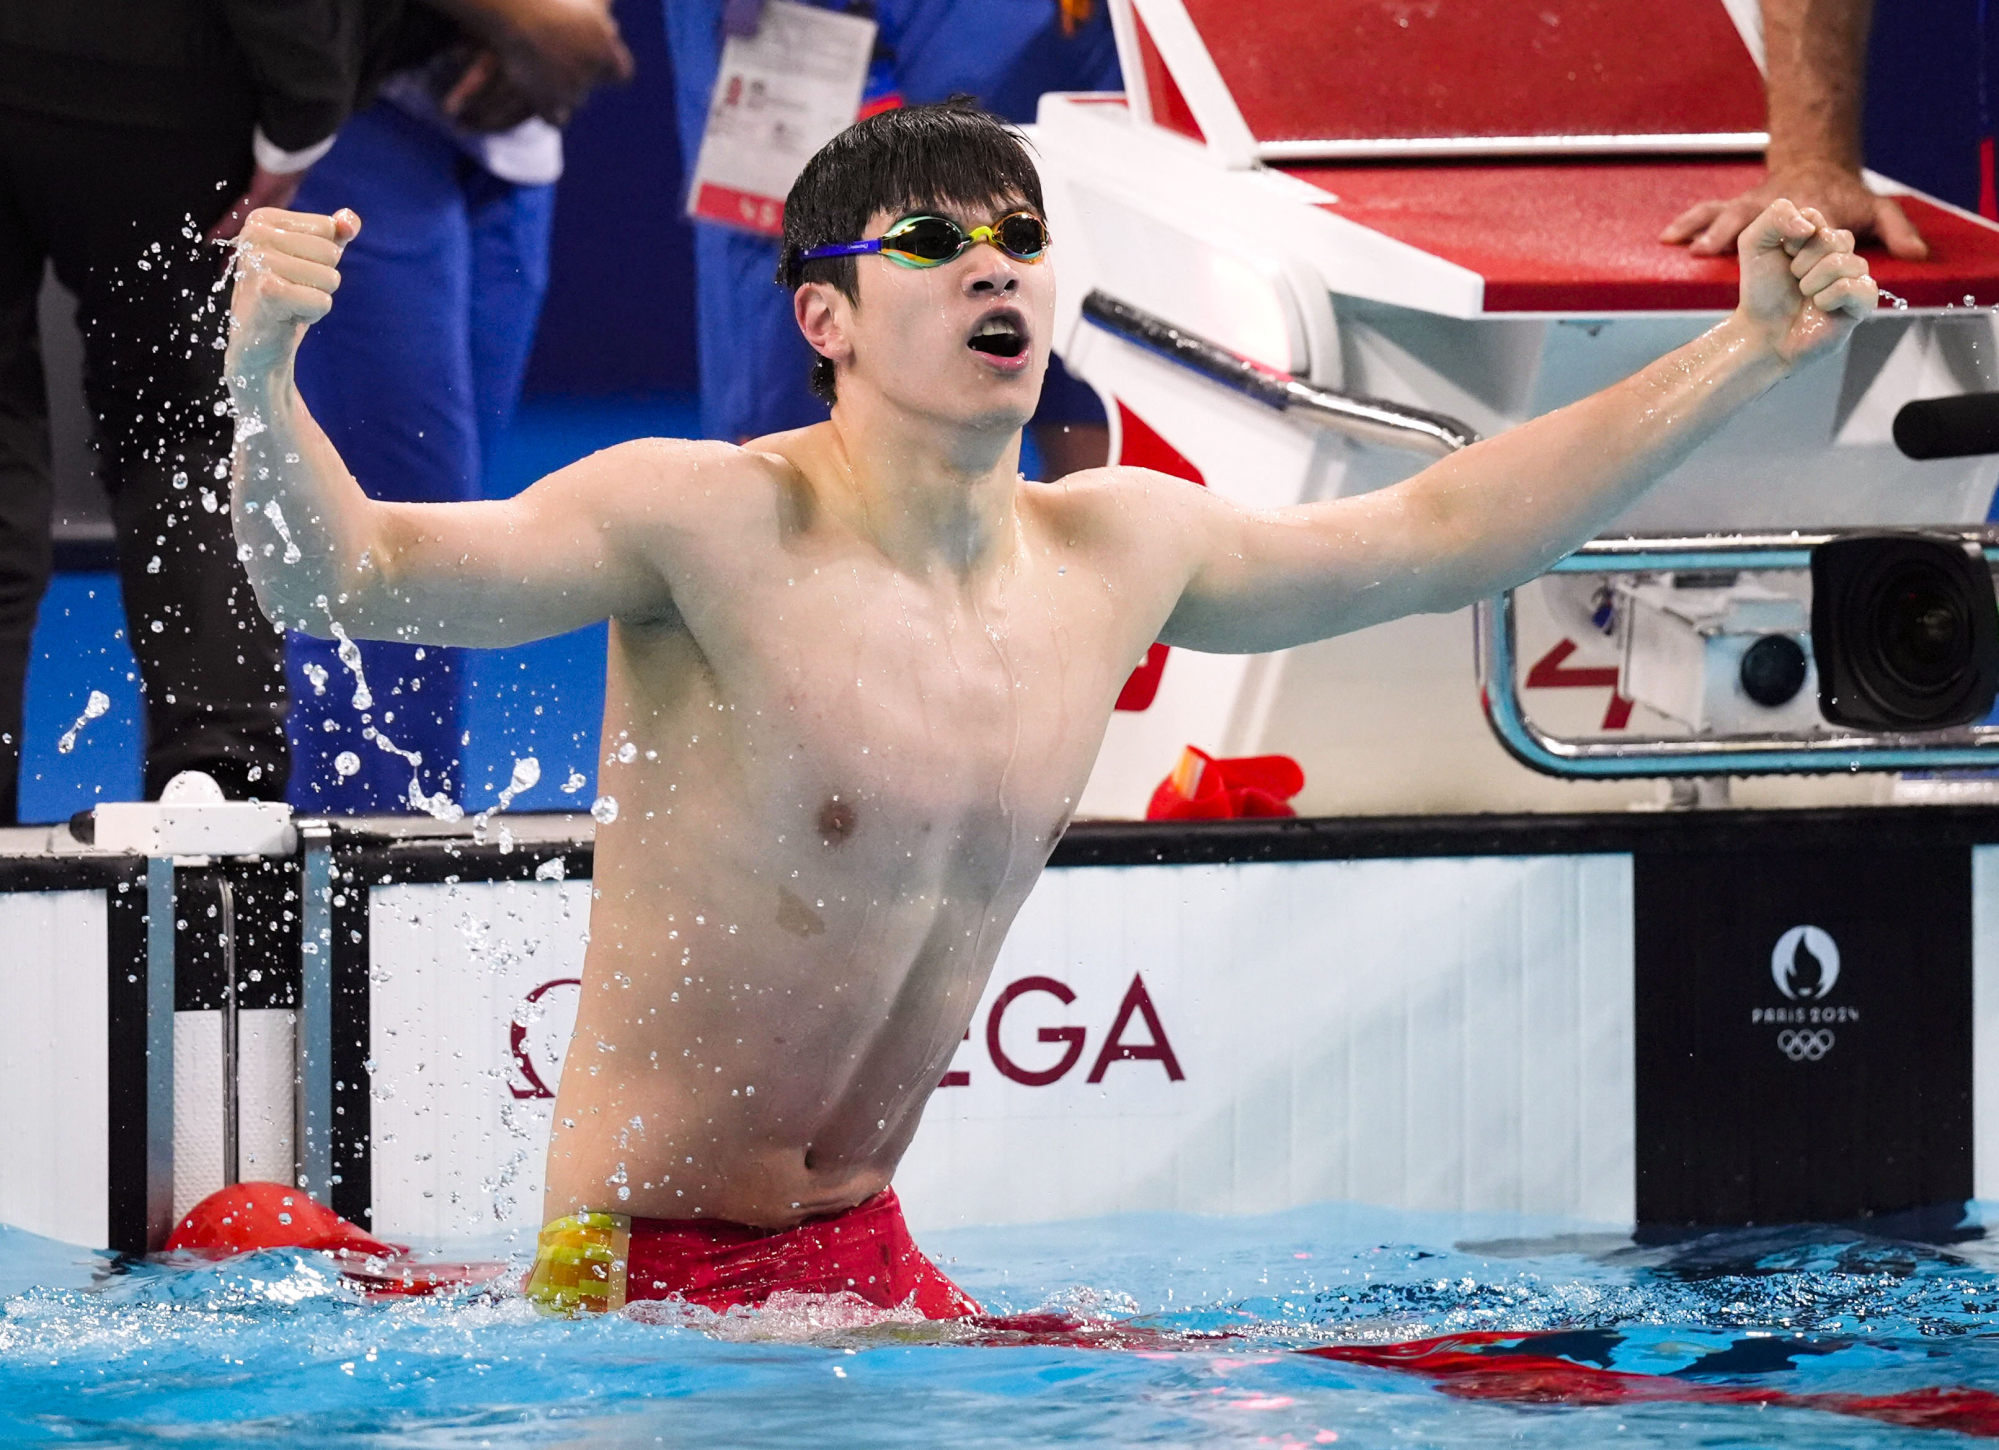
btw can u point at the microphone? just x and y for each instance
(1959, 427)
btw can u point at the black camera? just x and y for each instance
(1905, 631)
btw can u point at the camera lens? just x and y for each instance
(1905, 630)
(1922, 633)
(1773, 670)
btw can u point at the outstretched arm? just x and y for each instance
(1500, 512)
(567, 552)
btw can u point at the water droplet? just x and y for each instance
(604, 809)
(277, 517)
(350, 656)
(347, 763)
(96, 705)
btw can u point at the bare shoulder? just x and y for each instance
(1123, 507)
(661, 488)
(647, 474)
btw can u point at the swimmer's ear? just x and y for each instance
(821, 312)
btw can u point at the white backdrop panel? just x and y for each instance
(54, 1134)
(455, 1151)
(1437, 1034)
(198, 1108)
(266, 1093)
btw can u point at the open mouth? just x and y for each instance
(1000, 335)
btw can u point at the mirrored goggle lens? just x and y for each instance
(926, 239)
(1022, 235)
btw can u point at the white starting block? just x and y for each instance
(192, 818)
(1452, 212)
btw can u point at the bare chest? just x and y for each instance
(854, 715)
(914, 729)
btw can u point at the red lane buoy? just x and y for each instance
(247, 1216)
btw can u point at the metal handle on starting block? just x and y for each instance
(314, 1134)
(160, 909)
(1370, 420)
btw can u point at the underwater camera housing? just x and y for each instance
(1905, 630)
(1718, 654)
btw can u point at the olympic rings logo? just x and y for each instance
(1805, 1046)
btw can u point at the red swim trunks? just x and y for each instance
(604, 1261)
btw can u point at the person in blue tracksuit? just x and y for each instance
(421, 367)
(1004, 53)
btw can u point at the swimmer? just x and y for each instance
(858, 673)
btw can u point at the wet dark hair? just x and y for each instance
(898, 161)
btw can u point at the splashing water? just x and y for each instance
(527, 771)
(350, 656)
(135, 1353)
(277, 517)
(577, 780)
(439, 806)
(96, 705)
(315, 675)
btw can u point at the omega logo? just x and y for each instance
(1137, 1002)
(1126, 1040)
(530, 1084)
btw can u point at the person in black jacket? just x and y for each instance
(133, 134)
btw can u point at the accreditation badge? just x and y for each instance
(780, 95)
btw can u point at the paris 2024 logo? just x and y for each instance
(1804, 967)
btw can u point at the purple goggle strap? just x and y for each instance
(841, 249)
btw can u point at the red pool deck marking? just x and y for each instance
(1341, 70)
(1579, 236)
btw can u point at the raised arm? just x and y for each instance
(1500, 512)
(569, 551)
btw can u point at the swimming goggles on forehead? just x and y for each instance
(931, 241)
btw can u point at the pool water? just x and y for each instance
(273, 1347)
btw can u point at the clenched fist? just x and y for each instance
(287, 270)
(1803, 287)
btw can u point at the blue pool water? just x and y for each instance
(272, 1348)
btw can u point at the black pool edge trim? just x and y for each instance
(367, 856)
(1138, 843)
(350, 1131)
(125, 1053)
